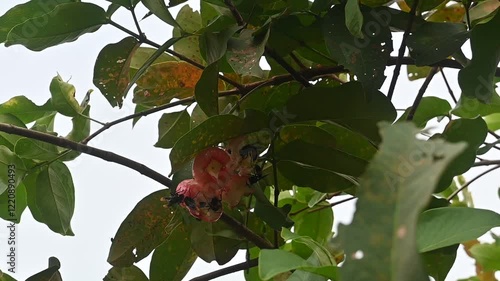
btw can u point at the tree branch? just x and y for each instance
(486, 163)
(421, 92)
(295, 74)
(402, 49)
(228, 270)
(99, 153)
(471, 181)
(234, 11)
(245, 232)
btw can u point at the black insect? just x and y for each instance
(256, 175)
(215, 204)
(177, 198)
(249, 151)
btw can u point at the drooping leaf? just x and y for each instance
(24, 109)
(435, 41)
(476, 79)
(439, 262)
(111, 70)
(63, 97)
(488, 255)
(171, 127)
(49, 274)
(354, 18)
(13, 203)
(79, 131)
(189, 21)
(165, 81)
(206, 90)
(145, 227)
(345, 105)
(21, 12)
(212, 131)
(163, 266)
(394, 180)
(12, 169)
(159, 9)
(471, 131)
(366, 57)
(442, 227)
(132, 273)
(55, 197)
(244, 52)
(429, 107)
(85, 18)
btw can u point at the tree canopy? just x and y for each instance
(261, 155)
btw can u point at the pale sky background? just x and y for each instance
(107, 192)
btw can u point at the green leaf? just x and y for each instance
(322, 157)
(12, 169)
(403, 173)
(212, 131)
(366, 58)
(477, 78)
(439, 262)
(275, 217)
(171, 127)
(488, 255)
(472, 107)
(132, 273)
(85, 18)
(345, 105)
(435, 41)
(9, 140)
(441, 227)
(63, 97)
(79, 131)
(274, 262)
(141, 56)
(145, 227)
(483, 10)
(129, 4)
(12, 203)
(34, 149)
(244, 52)
(20, 13)
(55, 197)
(425, 5)
(350, 142)
(493, 121)
(417, 72)
(111, 70)
(31, 189)
(163, 266)
(206, 90)
(213, 45)
(429, 107)
(354, 18)
(24, 109)
(471, 131)
(159, 9)
(485, 148)
(189, 22)
(316, 225)
(49, 274)
(6, 277)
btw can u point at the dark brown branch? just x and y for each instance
(421, 92)
(450, 91)
(228, 270)
(236, 14)
(333, 204)
(245, 232)
(402, 49)
(295, 74)
(99, 153)
(471, 181)
(486, 163)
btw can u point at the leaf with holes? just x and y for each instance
(213, 131)
(171, 127)
(394, 180)
(145, 227)
(477, 78)
(111, 70)
(164, 81)
(85, 18)
(435, 41)
(367, 57)
(244, 52)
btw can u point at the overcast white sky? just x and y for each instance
(106, 192)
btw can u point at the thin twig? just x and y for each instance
(421, 92)
(228, 270)
(137, 23)
(402, 49)
(471, 181)
(467, 14)
(246, 232)
(486, 163)
(332, 204)
(99, 153)
(297, 61)
(450, 91)
(234, 11)
(296, 75)
(276, 186)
